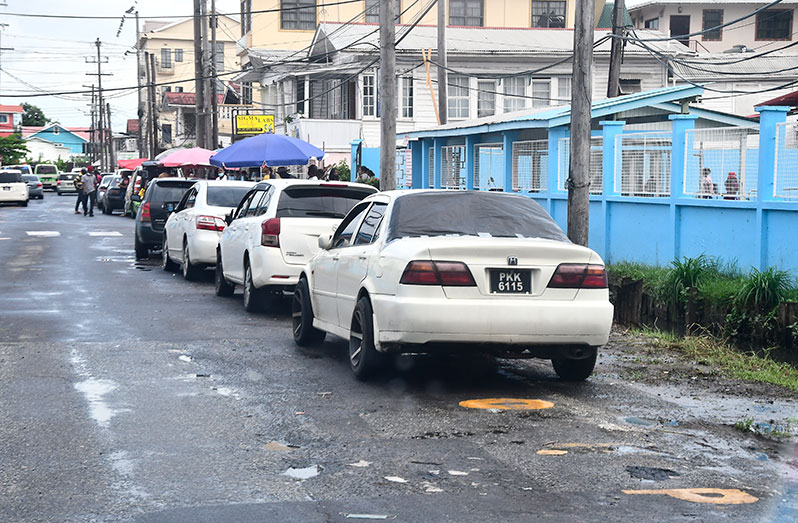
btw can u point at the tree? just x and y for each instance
(33, 116)
(12, 149)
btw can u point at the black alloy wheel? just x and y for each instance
(302, 317)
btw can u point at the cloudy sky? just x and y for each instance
(50, 53)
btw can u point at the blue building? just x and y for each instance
(55, 133)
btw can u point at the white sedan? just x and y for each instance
(192, 232)
(422, 271)
(13, 187)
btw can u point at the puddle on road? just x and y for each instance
(651, 473)
(303, 473)
(94, 390)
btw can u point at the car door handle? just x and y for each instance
(335, 258)
(362, 257)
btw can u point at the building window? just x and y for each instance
(548, 14)
(373, 11)
(514, 89)
(652, 24)
(246, 17)
(468, 13)
(3, 118)
(407, 97)
(457, 96)
(56, 130)
(486, 99)
(246, 93)
(774, 24)
(219, 57)
(629, 86)
(541, 93)
(712, 18)
(563, 90)
(166, 58)
(292, 16)
(178, 89)
(369, 94)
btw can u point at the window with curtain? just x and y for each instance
(466, 13)
(514, 90)
(548, 14)
(292, 17)
(486, 98)
(457, 96)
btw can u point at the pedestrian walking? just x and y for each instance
(89, 192)
(78, 181)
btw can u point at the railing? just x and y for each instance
(596, 159)
(721, 163)
(643, 163)
(530, 165)
(785, 181)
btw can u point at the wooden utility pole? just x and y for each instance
(93, 130)
(616, 53)
(214, 72)
(388, 97)
(139, 110)
(100, 106)
(199, 69)
(111, 161)
(443, 86)
(581, 100)
(153, 121)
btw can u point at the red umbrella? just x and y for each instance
(131, 164)
(196, 156)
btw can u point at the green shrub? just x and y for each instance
(344, 174)
(686, 273)
(764, 290)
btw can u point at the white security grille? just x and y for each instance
(785, 181)
(453, 167)
(404, 168)
(645, 163)
(596, 163)
(489, 166)
(431, 167)
(530, 165)
(721, 163)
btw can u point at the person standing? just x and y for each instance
(707, 185)
(78, 181)
(89, 192)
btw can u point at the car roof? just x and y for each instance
(226, 183)
(282, 183)
(12, 171)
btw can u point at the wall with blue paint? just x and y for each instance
(369, 157)
(58, 134)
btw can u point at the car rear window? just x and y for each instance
(471, 213)
(319, 201)
(10, 177)
(30, 178)
(46, 169)
(226, 196)
(169, 191)
(67, 176)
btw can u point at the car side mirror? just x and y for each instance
(325, 241)
(228, 218)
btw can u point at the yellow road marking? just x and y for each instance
(552, 452)
(716, 496)
(506, 404)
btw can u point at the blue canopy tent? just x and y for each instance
(269, 149)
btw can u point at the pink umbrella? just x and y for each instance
(196, 156)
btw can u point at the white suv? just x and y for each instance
(13, 188)
(274, 232)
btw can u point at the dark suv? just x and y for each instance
(159, 201)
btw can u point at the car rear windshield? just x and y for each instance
(226, 196)
(30, 178)
(471, 213)
(169, 191)
(10, 177)
(67, 176)
(46, 169)
(319, 201)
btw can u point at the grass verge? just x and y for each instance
(731, 362)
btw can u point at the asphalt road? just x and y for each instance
(127, 393)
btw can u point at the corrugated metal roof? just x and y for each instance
(637, 4)
(716, 67)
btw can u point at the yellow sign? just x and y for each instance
(254, 123)
(507, 404)
(715, 496)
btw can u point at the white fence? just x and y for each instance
(596, 163)
(722, 163)
(643, 163)
(530, 165)
(488, 166)
(785, 181)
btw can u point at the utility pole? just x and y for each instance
(139, 110)
(93, 133)
(616, 53)
(581, 101)
(443, 86)
(151, 119)
(101, 120)
(111, 160)
(199, 69)
(214, 81)
(389, 96)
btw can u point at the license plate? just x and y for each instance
(511, 281)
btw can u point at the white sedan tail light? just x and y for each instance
(448, 273)
(579, 276)
(210, 223)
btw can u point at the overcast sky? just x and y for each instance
(50, 53)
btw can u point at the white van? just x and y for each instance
(13, 188)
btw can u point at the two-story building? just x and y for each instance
(10, 119)
(172, 44)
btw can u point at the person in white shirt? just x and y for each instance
(89, 191)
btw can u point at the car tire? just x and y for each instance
(364, 360)
(574, 370)
(23, 204)
(106, 210)
(253, 297)
(142, 252)
(222, 287)
(167, 263)
(302, 317)
(190, 271)
(59, 193)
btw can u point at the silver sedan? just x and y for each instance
(35, 187)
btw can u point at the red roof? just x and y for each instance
(790, 99)
(173, 98)
(11, 109)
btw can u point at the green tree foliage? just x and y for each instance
(33, 116)
(12, 149)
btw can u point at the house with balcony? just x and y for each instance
(10, 119)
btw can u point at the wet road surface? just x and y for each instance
(127, 393)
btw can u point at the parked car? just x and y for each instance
(420, 271)
(160, 199)
(114, 197)
(104, 182)
(13, 188)
(66, 183)
(274, 232)
(132, 199)
(35, 186)
(192, 232)
(48, 174)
